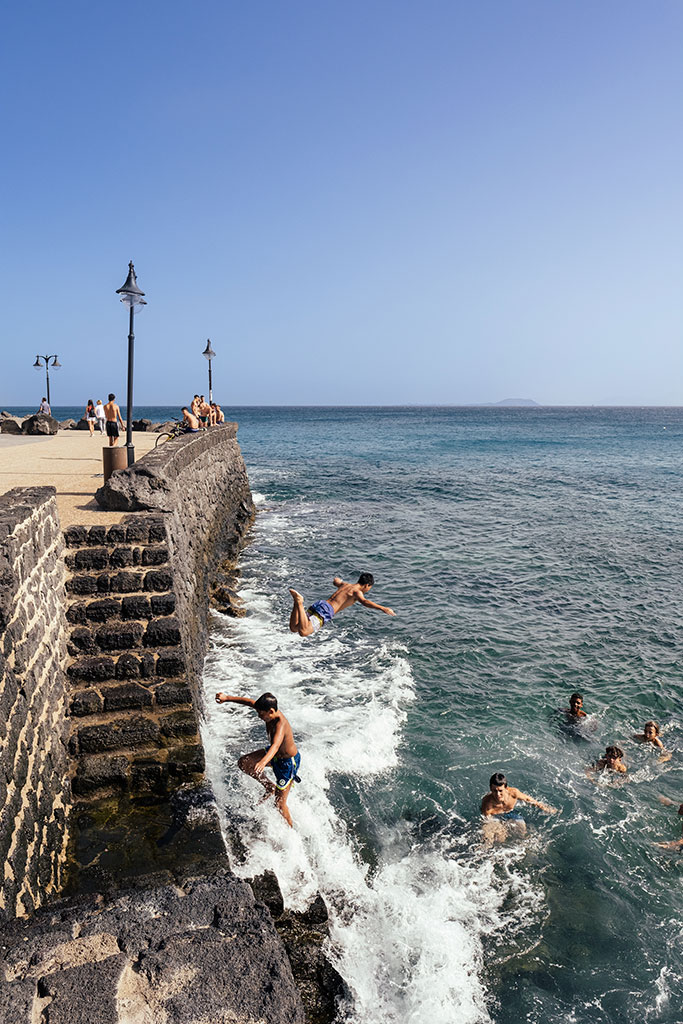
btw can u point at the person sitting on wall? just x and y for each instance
(190, 421)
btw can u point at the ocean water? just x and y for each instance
(528, 553)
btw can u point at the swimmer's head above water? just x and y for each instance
(498, 782)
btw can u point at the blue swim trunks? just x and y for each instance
(319, 613)
(286, 769)
(513, 815)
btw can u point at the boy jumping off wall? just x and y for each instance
(308, 622)
(282, 754)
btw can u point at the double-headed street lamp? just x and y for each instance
(132, 297)
(209, 354)
(45, 360)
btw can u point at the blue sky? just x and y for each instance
(359, 203)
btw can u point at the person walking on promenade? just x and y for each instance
(112, 414)
(282, 754)
(90, 416)
(307, 622)
(45, 408)
(99, 415)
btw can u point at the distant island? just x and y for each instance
(514, 401)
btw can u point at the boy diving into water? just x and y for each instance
(282, 754)
(305, 623)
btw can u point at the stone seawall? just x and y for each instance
(34, 777)
(200, 482)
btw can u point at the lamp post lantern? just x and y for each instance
(132, 297)
(45, 361)
(209, 354)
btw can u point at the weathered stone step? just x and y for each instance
(165, 662)
(127, 581)
(116, 696)
(118, 557)
(145, 769)
(134, 529)
(138, 607)
(114, 731)
(125, 636)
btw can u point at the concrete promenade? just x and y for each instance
(71, 461)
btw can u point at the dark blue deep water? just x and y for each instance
(528, 553)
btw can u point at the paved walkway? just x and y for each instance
(71, 461)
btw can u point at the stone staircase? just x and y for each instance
(134, 725)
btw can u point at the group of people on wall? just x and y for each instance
(201, 415)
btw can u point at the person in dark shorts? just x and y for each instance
(112, 415)
(282, 754)
(305, 623)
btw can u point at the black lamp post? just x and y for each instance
(209, 354)
(132, 297)
(45, 360)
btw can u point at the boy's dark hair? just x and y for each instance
(111, 397)
(614, 752)
(184, 409)
(575, 696)
(497, 779)
(266, 702)
(366, 578)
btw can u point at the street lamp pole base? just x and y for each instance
(130, 452)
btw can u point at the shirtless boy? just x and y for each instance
(307, 622)
(575, 709)
(112, 413)
(610, 761)
(650, 734)
(190, 421)
(501, 799)
(282, 754)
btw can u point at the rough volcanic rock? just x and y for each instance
(67, 424)
(143, 425)
(82, 424)
(40, 424)
(160, 428)
(183, 954)
(305, 935)
(10, 425)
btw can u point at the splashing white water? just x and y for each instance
(407, 934)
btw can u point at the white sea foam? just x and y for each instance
(406, 935)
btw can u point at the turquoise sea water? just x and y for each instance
(527, 553)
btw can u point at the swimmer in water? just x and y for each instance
(675, 844)
(282, 754)
(575, 710)
(610, 761)
(306, 622)
(650, 734)
(499, 804)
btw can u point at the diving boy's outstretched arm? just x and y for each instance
(222, 698)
